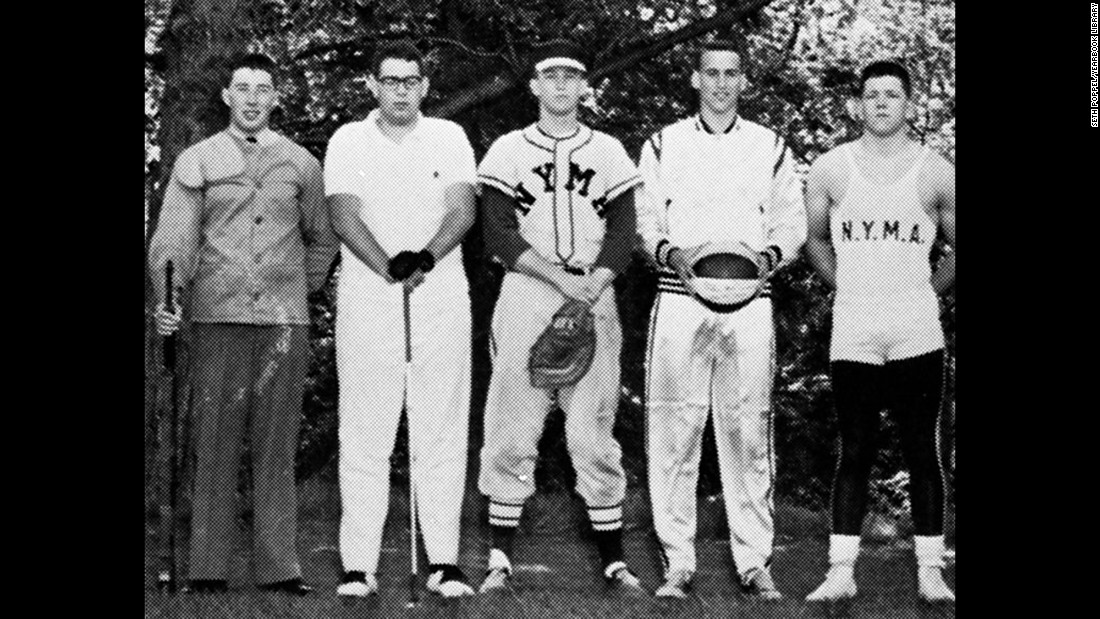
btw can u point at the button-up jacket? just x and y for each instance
(246, 226)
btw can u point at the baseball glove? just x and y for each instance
(564, 351)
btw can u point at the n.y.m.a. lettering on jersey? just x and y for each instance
(878, 231)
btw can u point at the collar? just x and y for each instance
(701, 125)
(416, 133)
(263, 138)
(533, 134)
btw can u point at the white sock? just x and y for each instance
(929, 550)
(843, 549)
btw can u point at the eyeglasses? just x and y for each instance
(411, 81)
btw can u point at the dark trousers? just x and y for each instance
(246, 373)
(911, 390)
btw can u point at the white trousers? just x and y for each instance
(515, 412)
(370, 361)
(699, 362)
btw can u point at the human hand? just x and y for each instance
(167, 322)
(679, 263)
(414, 280)
(403, 265)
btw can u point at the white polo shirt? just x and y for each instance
(401, 185)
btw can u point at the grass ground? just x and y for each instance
(557, 572)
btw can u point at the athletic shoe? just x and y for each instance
(621, 580)
(758, 583)
(357, 585)
(839, 585)
(449, 582)
(676, 585)
(499, 573)
(294, 586)
(204, 585)
(931, 586)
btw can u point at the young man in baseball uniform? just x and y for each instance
(401, 191)
(245, 225)
(714, 177)
(875, 207)
(558, 206)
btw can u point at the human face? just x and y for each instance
(399, 88)
(719, 80)
(883, 105)
(559, 89)
(251, 97)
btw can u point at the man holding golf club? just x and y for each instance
(244, 223)
(400, 190)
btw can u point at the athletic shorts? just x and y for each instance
(876, 330)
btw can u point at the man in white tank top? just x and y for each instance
(874, 207)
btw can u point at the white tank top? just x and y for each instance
(882, 236)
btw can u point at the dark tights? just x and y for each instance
(912, 391)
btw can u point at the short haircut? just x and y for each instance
(719, 45)
(399, 50)
(886, 68)
(256, 62)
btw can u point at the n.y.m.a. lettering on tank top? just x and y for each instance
(886, 231)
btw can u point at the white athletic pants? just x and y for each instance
(370, 361)
(701, 361)
(515, 412)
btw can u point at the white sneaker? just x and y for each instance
(676, 585)
(449, 583)
(758, 583)
(839, 584)
(357, 585)
(499, 573)
(931, 586)
(621, 580)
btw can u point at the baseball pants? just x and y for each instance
(241, 371)
(702, 362)
(370, 361)
(515, 412)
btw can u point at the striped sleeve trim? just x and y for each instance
(504, 514)
(657, 252)
(606, 518)
(619, 188)
(498, 183)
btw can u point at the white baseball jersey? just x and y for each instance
(401, 186)
(561, 186)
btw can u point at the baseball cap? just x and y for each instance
(559, 53)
